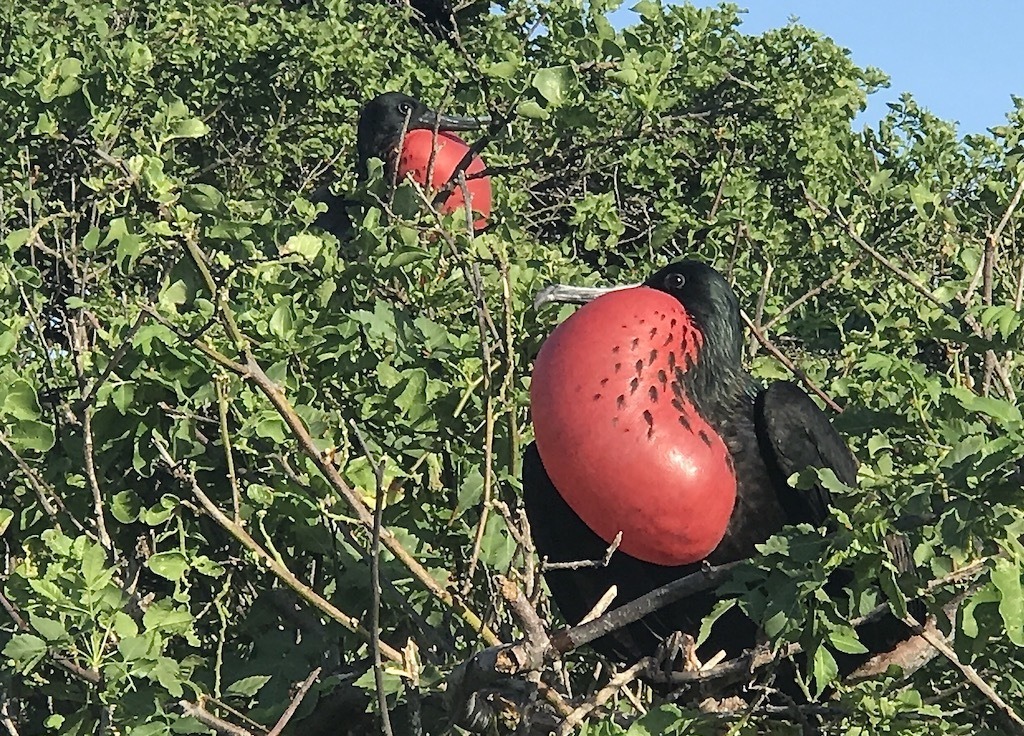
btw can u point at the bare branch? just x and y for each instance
(599, 698)
(933, 637)
(293, 706)
(378, 512)
(793, 368)
(272, 563)
(208, 719)
(583, 564)
(254, 373)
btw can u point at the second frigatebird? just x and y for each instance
(647, 424)
(400, 130)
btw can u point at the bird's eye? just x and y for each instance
(675, 281)
(405, 108)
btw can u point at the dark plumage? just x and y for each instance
(770, 434)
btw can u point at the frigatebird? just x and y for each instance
(400, 130)
(646, 423)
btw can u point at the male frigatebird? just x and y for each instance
(647, 424)
(400, 130)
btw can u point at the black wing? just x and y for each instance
(794, 434)
(336, 220)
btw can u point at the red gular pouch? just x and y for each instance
(415, 161)
(620, 438)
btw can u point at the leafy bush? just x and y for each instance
(203, 400)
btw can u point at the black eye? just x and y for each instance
(404, 107)
(675, 281)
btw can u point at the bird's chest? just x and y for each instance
(624, 444)
(757, 513)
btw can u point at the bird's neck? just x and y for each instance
(375, 146)
(717, 381)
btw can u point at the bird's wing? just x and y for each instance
(795, 434)
(336, 220)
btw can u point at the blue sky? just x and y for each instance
(961, 60)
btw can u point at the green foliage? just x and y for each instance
(145, 149)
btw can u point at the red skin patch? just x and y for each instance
(415, 161)
(620, 439)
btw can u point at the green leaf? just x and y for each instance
(126, 506)
(20, 401)
(501, 70)
(6, 515)
(137, 648)
(412, 399)
(666, 719)
(705, 626)
(306, 245)
(281, 319)
(168, 673)
(94, 568)
(1006, 578)
(845, 639)
(32, 436)
(248, 686)
(162, 616)
(25, 649)
(192, 128)
(555, 84)
(49, 629)
(170, 565)
(824, 668)
(392, 682)
(124, 625)
(649, 9)
(532, 109)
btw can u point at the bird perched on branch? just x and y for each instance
(647, 424)
(417, 142)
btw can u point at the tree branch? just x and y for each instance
(278, 568)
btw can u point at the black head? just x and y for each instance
(383, 119)
(712, 304)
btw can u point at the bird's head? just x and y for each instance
(704, 295)
(712, 305)
(385, 117)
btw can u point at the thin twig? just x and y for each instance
(599, 698)
(575, 637)
(48, 497)
(5, 716)
(793, 368)
(85, 674)
(293, 706)
(115, 359)
(485, 348)
(94, 484)
(252, 371)
(759, 309)
(273, 564)
(968, 672)
(824, 285)
(207, 718)
(225, 440)
(584, 564)
(601, 607)
(378, 512)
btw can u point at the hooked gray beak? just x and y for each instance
(450, 122)
(575, 294)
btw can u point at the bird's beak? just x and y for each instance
(575, 294)
(431, 119)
